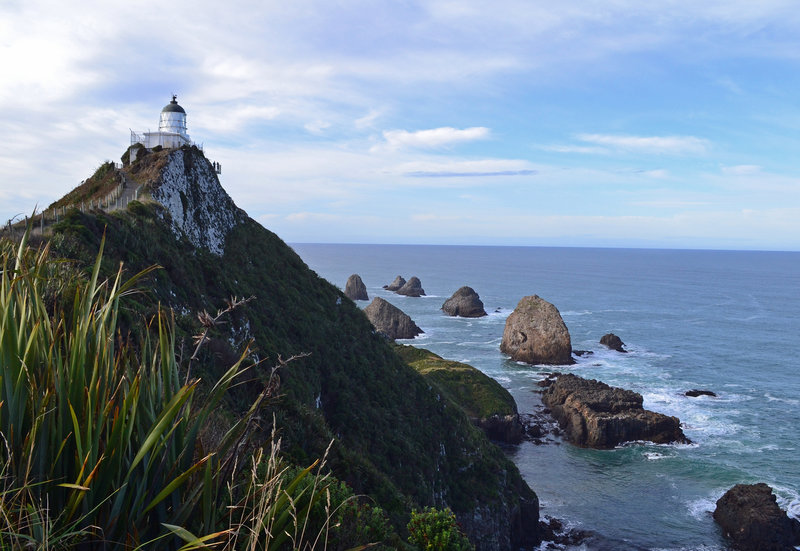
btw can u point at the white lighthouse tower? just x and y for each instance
(173, 119)
(171, 129)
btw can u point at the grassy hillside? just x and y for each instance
(476, 393)
(396, 437)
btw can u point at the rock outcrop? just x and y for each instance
(412, 288)
(199, 208)
(694, 393)
(465, 303)
(536, 334)
(390, 320)
(488, 405)
(596, 415)
(613, 342)
(396, 284)
(355, 289)
(750, 517)
(507, 429)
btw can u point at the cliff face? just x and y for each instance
(395, 437)
(198, 207)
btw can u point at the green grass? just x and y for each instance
(477, 394)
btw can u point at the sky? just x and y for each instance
(617, 123)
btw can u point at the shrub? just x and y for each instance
(437, 530)
(99, 437)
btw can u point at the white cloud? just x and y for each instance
(317, 126)
(741, 170)
(674, 145)
(434, 137)
(658, 173)
(368, 120)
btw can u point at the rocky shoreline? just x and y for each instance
(589, 413)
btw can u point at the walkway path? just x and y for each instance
(118, 198)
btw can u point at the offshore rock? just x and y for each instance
(199, 208)
(355, 289)
(750, 517)
(536, 334)
(465, 303)
(613, 342)
(412, 288)
(390, 320)
(596, 415)
(694, 393)
(396, 284)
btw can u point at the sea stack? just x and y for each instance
(613, 342)
(536, 334)
(398, 282)
(390, 320)
(412, 288)
(465, 303)
(355, 289)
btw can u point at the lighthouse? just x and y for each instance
(173, 119)
(171, 129)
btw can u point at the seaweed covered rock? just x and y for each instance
(596, 415)
(390, 320)
(355, 289)
(536, 334)
(752, 520)
(465, 303)
(412, 288)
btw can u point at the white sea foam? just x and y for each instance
(702, 508)
(570, 313)
(654, 456)
(788, 499)
(790, 401)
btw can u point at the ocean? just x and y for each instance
(725, 321)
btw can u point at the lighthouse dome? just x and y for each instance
(173, 118)
(173, 107)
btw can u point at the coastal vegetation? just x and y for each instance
(157, 437)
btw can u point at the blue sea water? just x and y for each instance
(726, 321)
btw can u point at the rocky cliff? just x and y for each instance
(394, 437)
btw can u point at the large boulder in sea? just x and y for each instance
(465, 303)
(613, 342)
(390, 320)
(398, 282)
(536, 334)
(596, 415)
(412, 288)
(355, 289)
(751, 518)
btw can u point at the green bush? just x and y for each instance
(437, 530)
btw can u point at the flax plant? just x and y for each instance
(100, 438)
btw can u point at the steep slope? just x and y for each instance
(395, 438)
